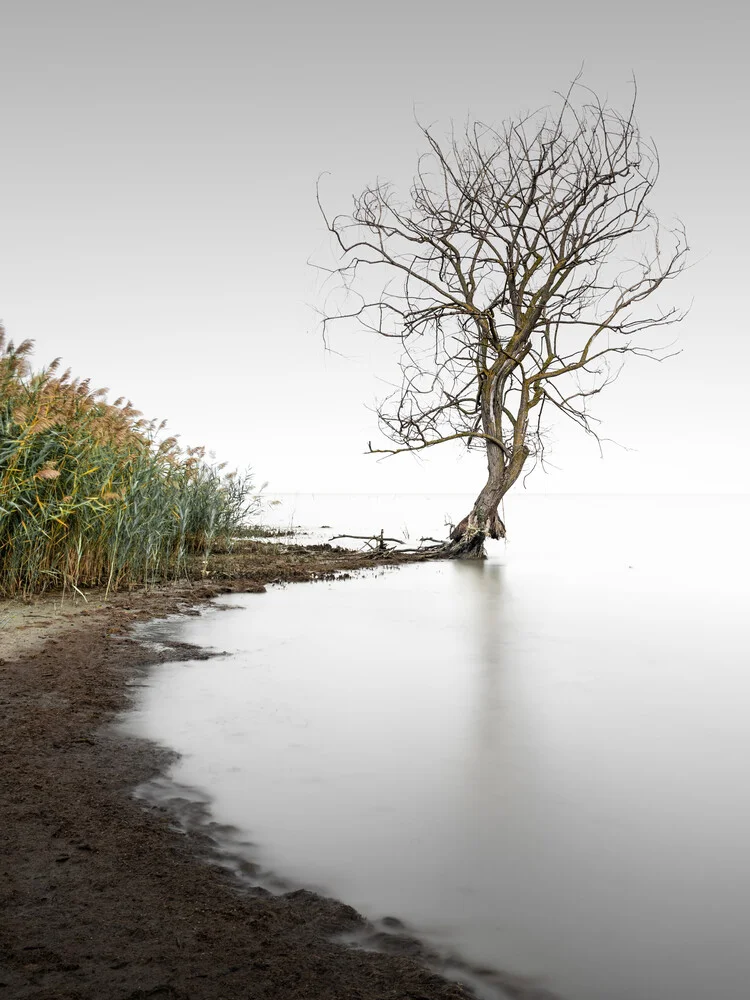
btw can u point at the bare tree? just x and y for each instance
(517, 275)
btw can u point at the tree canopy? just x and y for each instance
(520, 269)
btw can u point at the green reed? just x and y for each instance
(89, 494)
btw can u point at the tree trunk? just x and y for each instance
(467, 538)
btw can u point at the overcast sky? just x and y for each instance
(159, 162)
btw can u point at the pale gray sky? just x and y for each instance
(158, 211)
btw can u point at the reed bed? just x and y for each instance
(91, 494)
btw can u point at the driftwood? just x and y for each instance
(379, 544)
(376, 543)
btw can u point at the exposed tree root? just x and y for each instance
(466, 540)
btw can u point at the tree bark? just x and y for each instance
(483, 521)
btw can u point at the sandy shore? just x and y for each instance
(103, 898)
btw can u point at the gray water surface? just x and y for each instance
(539, 762)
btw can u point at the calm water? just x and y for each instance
(539, 762)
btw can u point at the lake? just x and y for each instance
(538, 762)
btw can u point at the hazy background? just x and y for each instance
(159, 162)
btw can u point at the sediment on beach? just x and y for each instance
(103, 898)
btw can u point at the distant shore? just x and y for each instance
(104, 898)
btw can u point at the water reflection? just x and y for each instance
(538, 761)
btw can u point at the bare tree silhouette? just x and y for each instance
(517, 275)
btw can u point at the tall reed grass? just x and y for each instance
(90, 495)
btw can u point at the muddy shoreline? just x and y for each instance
(101, 897)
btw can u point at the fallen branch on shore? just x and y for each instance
(379, 544)
(376, 543)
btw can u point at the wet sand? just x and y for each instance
(103, 898)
